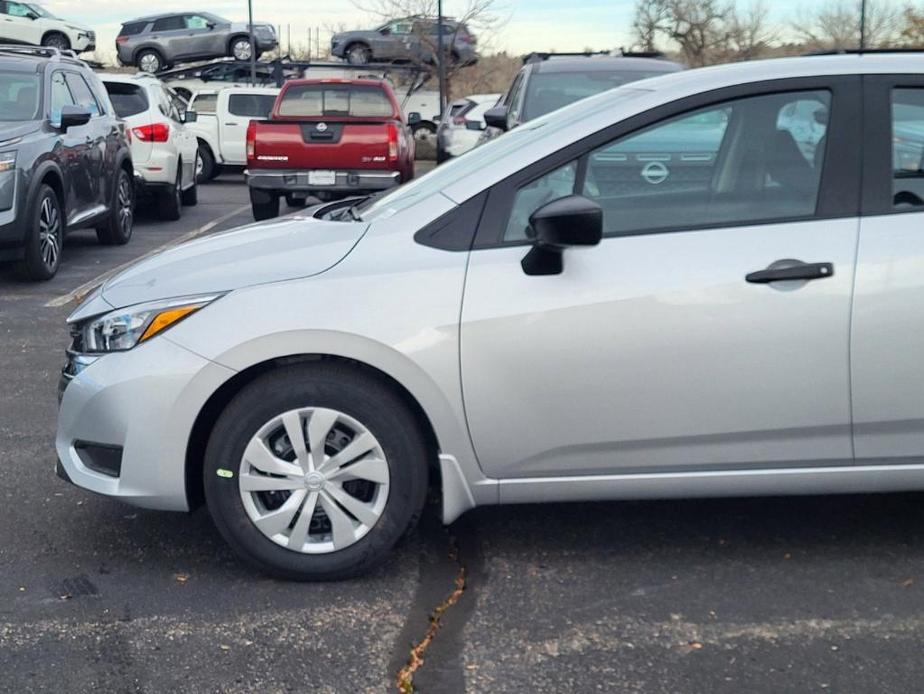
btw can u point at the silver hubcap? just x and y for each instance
(314, 480)
(200, 165)
(149, 63)
(50, 233)
(126, 211)
(241, 50)
(357, 56)
(423, 135)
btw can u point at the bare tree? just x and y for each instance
(836, 25)
(912, 28)
(748, 32)
(649, 21)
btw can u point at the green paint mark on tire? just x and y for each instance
(227, 474)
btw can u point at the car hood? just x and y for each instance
(290, 248)
(13, 130)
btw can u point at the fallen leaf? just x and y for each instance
(907, 583)
(181, 578)
(224, 647)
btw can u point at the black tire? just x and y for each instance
(117, 231)
(335, 386)
(41, 261)
(293, 201)
(236, 43)
(205, 165)
(153, 65)
(191, 194)
(171, 200)
(358, 54)
(265, 205)
(55, 39)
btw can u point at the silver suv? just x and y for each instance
(156, 42)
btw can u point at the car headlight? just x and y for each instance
(124, 328)
(7, 179)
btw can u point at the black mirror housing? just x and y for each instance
(190, 117)
(413, 118)
(570, 221)
(74, 116)
(496, 117)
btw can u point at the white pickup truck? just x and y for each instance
(221, 127)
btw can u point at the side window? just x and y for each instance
(400, 28)
(205, 103)
(171, 106)
(195, 21)
(60, 96)
(18, 9)
(513, 100)
(908, 148)
(556, 184)
(169, 24)
(82, 93)
(251, 105)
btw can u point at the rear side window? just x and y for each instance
(205, 103)
(908, 148)
(322, 100)
(251, 105)
(127, 99)
(82, 93)
(132, 29)
(169, 24)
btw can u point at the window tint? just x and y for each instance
(127, 99)
(60, 96)
(751, 160)
(324, 100)
(251, 105)
(82, 93)
(19, 96)
(132, 29)
(169, 23)
(205, 103)
(908, 148)
(554, 185)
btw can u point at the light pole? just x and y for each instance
(440, 64)
(253, 46)
(862, 25)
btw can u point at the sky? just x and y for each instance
(529, 24)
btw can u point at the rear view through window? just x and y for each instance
(550, 91)
(19, 96)
(323, 100)
(127, 99)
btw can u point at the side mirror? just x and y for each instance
(210, 25)
(190, 117)
(32, 16)
(413, 118)
(568, 221)
(385, 32)
(74, 116)
(496, 117)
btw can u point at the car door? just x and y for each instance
(186, 142)
(72, 151)
(242, 108)
(201, 39)
(17, 23)
(170, 34)
(887, 335)
(96, 134)
(660, 350)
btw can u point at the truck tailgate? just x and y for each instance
(321, 145)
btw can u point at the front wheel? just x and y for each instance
(295, 202)
(171, 200)
(57, 40)
(241, 49)
(315, 471)
(265, 205)
(150, 61)
(205, 164)
(46, 237)
(358, 54)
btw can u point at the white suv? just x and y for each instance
(164, 151)
(29, 23)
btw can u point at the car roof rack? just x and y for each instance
(863, 51)
(41, 52)
(538, 57)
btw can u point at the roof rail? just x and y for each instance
(538, 57)
(41, 52)
(658, 55)
(862, 51)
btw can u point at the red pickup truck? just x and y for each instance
(330, 139)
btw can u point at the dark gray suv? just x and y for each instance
(156, 42)
(412, 39)
(65, 162)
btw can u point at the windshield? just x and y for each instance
(483, 157)
(19, 96)
(40, 11)
(550, 91)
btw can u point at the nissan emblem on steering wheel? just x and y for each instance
(655, 172)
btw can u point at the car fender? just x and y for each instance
(38, 173)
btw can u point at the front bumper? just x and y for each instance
(346, 181)
(84, 42)
(144, 402)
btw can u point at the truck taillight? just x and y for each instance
(155, 132)
(392, 142)
(251, 139)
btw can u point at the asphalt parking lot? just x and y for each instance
(804, 594)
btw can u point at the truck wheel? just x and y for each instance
(191, 195)
(293, 201)
(171, 200)
(45, 237)
(205, 164)
(315, 471)
(265, 205)
(117, 231)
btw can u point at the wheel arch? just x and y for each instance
(210, 412)
(50, 32)
(49, 174)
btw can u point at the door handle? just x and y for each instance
(231, 124)
(788, 270)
